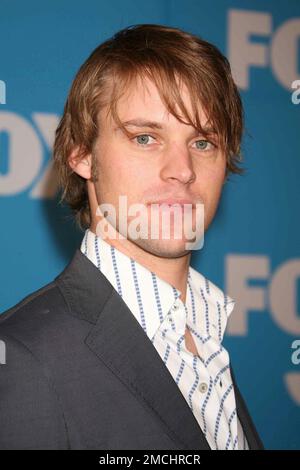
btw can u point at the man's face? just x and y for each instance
(160, 162)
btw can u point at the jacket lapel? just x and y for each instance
(120, 342)
(252, 436)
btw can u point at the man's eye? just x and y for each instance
(143, 139)
(203, 144)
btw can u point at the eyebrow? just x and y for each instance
(142, 123)
(155, 125)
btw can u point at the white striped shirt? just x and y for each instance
(204, 380)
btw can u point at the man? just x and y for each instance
(123, 349)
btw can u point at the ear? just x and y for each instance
(83, 166)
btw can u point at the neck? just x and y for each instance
(172, 270)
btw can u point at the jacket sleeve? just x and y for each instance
(30, 413)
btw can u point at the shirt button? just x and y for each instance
(175, 307)
(203, 387)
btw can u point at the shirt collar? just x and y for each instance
(150, 298)
(210, 306)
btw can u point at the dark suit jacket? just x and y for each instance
(81, 373)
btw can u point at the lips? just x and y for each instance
(171, 202)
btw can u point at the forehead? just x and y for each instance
(142, 98)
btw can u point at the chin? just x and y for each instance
(163, 248)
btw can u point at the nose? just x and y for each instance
(177, 164)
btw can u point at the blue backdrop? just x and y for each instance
(252, 249)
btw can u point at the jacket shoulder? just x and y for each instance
(38, 303)
(30, 411)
